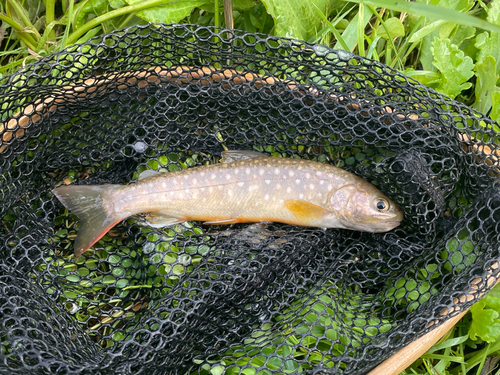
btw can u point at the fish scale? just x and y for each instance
(248, 187)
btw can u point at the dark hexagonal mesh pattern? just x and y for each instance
(240, 299)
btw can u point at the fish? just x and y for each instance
(246, 187)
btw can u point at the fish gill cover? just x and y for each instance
(248, 298)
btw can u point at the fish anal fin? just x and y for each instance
(223, 222)
(148, 173)
(161, 219)
(233, 155)
(305, 211)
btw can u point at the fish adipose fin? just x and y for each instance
(306, 211)
(160, 220)
(87, 202)
(233, 155)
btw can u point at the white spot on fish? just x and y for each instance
(202, 174)
(266, 197)
(289, 189)
(236, 171)
(202, 189)
(297, 181)
(181, 195)
(247, 170)
(308, 175)
(219, 187)
(261, 171)
(228, 176)
(291, 174)
(276, 171)
(230, 193)
(301, 195)
(163, 185)
(318, 173)
(213, 176)
(268, 182)
(195, 181)
(311, 186)
(329, 187)
(321, 182)
(210, 189)
(241, 183)
(278, 186)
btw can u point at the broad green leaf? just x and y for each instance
(454, 66)
(485, 323)
(394, 26)
(494, 12)
(298, 18)
(488, 44)
(426, 57)
(495, 106)
(173, 11)
(485, 313)
(242, 5)
(115, 4)
(487, 77)
(446, 30)
(462, 34)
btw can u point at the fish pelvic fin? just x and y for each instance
(233, 155)
(88, 203)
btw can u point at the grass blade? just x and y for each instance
(432, 12)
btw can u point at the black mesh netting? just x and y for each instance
(248, 298)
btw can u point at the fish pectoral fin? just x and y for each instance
(222, 222)
(148, 173)
(305, 210)
(233, 155)
(160, 220)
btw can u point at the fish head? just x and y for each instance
(361, 206)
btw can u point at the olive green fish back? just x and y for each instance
(245, 299)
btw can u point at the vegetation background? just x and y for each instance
(452, 46)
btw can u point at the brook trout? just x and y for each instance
(246, 187)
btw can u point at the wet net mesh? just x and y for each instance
(247, 298)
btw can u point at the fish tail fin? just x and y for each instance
(87, 202)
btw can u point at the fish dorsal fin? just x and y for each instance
(233, 155)
(148, 173)
(306, 211)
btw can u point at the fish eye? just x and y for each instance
(381, 204)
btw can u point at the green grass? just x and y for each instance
(454, 49)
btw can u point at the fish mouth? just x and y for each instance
(374, 227)
(384, 226)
